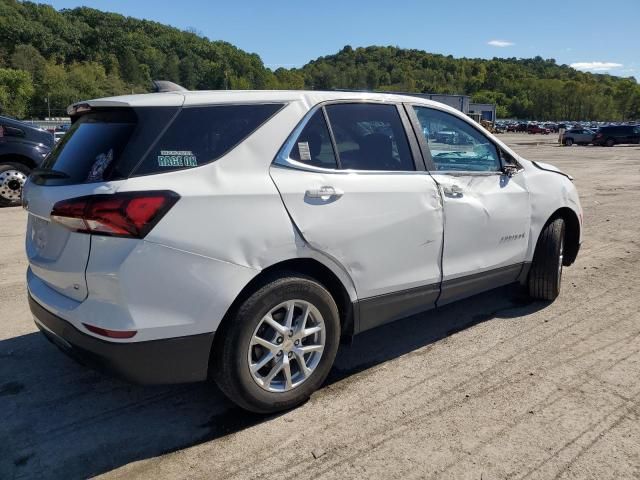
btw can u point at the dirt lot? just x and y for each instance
(493, 387)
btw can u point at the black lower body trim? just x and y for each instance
(376, 311)
(172, 360)
(469, 285)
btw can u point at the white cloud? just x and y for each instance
(596, 66)
(500, 43)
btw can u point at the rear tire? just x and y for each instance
(568, 142)
(545, 275)
(12, 178)
(240, 345)
(610, 142)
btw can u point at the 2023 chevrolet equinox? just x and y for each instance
(175, 237)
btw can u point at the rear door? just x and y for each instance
(486, 213)
(348, 179)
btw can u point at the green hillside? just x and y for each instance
(524, 88)
(65, 56)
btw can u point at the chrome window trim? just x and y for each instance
(282, 158)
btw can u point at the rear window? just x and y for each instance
(105, 145)
(201, 135)
(119, 143)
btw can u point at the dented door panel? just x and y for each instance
(486, 219)
(384, 228)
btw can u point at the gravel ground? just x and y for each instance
(492, 387)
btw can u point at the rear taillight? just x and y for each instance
(126, 214)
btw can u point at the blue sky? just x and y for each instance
(587, 33)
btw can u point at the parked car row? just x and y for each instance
(581, 133)
(605, 136)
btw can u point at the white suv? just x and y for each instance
(178, 236)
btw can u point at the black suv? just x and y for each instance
(616, 134)
(22, 148)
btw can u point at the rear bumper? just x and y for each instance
(171, 360)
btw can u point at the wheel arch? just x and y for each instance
(17, 158)
(571, 233)
(309, 267)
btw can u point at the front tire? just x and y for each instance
(278, 346)
(545, 275)
(610, 142)
(12, 179)
(568, 142)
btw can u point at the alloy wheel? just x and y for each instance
(11, 183)
(286, 346)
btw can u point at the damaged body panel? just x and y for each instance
(386, 230)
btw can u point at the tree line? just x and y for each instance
(50, 59)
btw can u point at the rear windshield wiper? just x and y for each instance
(48, 173)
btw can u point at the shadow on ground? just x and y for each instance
(61, 420)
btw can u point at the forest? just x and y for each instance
(50, 59)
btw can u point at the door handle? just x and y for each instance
(324, 193)
(452, 190)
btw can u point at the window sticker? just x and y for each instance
(305, 151)
(177, 158)
(100, 164)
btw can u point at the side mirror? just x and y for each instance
(510, 165)
(510, 170)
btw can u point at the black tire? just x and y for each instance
(4, 189)
(545, 275)
(230, 364)
(568, 142)
(610, 142)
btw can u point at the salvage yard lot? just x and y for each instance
(492, 387)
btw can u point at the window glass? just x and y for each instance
(456, 145)
(370, 137)
(93, 148)
(313, 146)
(200, 135)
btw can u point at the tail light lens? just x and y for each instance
(110, 333)
(126, 214)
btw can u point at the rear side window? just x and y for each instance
(370, 137)
(200, 135)
(313, 146)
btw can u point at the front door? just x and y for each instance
(356, 194)
(486, 213)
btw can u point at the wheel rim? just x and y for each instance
(286, 346)
(560, 260)
(11, 183)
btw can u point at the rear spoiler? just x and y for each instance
(159, 86)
